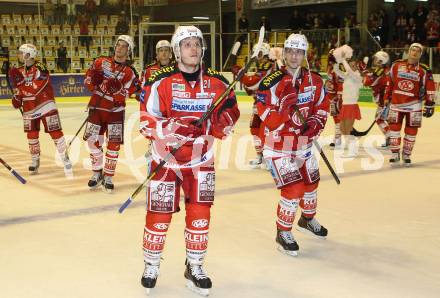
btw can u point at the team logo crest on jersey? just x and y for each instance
(405, 85)
(295, 118)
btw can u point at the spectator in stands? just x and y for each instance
(296, 21)
(60, 13)
(71, 12)
(243, 23)
(401, 22)
(432, 30)
(91, 11)
(62, 57)
(122, 25)
(383, 26)
(264, 21)
(333, 21)
(49, 12)
(411, 31)
(420, 14)
(84, 38)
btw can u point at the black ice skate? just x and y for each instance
(312, 227)
(33, 168)
(406, 160)
(287, 244)
(197, 280)
(149, 277)
(95, 180)
(108, 184)
(395, 159)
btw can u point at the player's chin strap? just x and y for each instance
(199, 122)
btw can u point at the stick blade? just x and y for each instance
(125, 205)
(21, 179)
(259, 43)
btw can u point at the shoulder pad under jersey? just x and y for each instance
(134, 70)
(425, 67)
(378, 71)
(215, 74)
(41, 67)
(271, 80)
(265, 66)
(161, 73)
(149, 65)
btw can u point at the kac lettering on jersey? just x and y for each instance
(190, 105)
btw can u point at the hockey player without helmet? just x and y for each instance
(265, 49)
(128, 40)
(382, 57)
(30, 49)
(183, 32)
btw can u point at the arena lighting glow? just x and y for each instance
(201, 18)
(391, 1)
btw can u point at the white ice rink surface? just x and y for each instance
(58, 239)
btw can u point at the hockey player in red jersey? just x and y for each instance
(251, 81)
(163, 58)
(377, 78)
(34, 94)
(111, 80)
(288, 145)
(410, 84)
(333, 86)
(171, 100)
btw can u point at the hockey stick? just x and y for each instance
(357, 133)
(13, 172)
(324, 157)
(87, 118)
(197, 123)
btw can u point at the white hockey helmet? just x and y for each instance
(163, 44)
(416, 45)
(129, 40)
(30, 49)
(265, 48)
(382, 56)
(296, 41)
(183, 32)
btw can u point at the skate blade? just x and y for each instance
(255, 167)
(33, 172)
(395, 164)
(203, 292)
(106, 190)
(68, 173)
(148, 291)
(308, 232)
(291, 253)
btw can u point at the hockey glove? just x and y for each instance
(224, 121)
(310, 129)
(17, 101)
(111, 86)
(97, 76)
(16, 77)
(429, 109)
